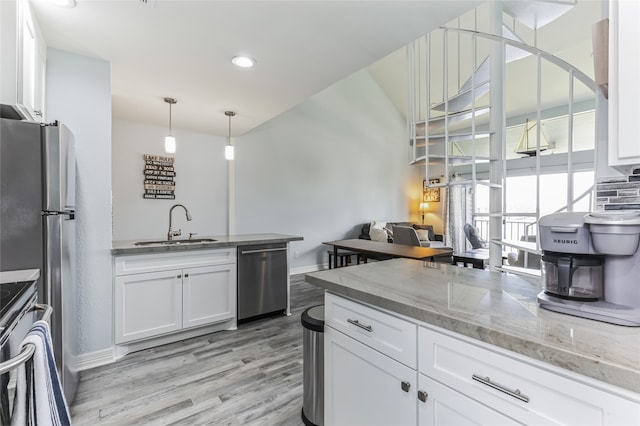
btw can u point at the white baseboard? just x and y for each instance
(308, 268)
(95, 359)
(107, 356)
(113, 354)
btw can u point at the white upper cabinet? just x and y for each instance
(624, 83)
(23, 63)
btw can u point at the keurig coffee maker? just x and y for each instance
(591, 265)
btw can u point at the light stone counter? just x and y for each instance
(19, 275)
(221, 241)
(496, 308)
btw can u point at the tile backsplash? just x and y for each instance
(618, 193)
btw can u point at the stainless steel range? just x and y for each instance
(14, 297)
(17, 315)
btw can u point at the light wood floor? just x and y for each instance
(251, 376)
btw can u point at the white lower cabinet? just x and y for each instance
(158, 294)
(147, 305)
(442, 406)
(520, 388)
(371, 379)
(207, 295)
(365, 387)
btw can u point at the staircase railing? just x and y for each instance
(422, 126)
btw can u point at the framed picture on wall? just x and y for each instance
(430, 194)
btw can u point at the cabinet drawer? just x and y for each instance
(444, 406)
(393, 336)
(141, 263)
(518, 388)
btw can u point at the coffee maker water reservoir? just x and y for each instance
(573, 276)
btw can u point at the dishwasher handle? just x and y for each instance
(263, 250)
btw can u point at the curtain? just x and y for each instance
(458, 207)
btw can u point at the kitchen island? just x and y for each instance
(484, 321)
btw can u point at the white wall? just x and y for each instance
(78, 94)
(319, 170)
(201, 183)
(323, 168)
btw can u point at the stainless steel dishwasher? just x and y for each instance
(262, 279)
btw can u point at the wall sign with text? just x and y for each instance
(430, 193)
(159, 175)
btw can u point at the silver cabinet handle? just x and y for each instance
(487, 381)
(357, 324)
(263, 250)
(405, 386)
(422, 395)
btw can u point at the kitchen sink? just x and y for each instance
(173, 242)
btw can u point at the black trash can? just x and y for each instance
(312, 320)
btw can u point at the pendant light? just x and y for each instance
(169, 140)
(228, 150)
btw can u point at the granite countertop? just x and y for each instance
(496, 308)
(123, 247)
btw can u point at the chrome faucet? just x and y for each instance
(177, 233)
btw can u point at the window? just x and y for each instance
(520, 208)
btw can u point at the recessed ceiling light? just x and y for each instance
(243, 61)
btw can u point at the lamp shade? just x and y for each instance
(228, 152)
(170, 144)
(424, 207)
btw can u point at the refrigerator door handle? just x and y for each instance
(70, 213)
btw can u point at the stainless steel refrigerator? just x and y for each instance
(37, 225)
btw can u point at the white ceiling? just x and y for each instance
(567, 37)
(182, 49)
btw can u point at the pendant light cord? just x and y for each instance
(170, 101)
(229, 114)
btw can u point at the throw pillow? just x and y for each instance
(423, 234)
(429, 229)
(377, 232)
(389, 230)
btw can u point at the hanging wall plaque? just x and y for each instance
(159, 175)
(429, 193)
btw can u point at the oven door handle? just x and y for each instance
(28, 349)
(47, 310)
